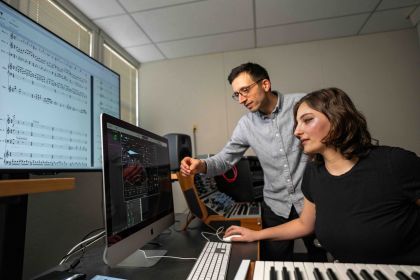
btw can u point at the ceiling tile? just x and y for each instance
(98, 8)
(208, 44)
(140, 5)
(123, 30)
(388, 20)
(274, 12)
(390, 4)
(145, 53)
(196, 19)
(309, 31)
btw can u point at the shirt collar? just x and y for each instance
(276, 109)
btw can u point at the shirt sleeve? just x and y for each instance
(406, 171)
(306, 182)
(231, 153)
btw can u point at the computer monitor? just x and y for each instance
(137, 188)
(51, 98)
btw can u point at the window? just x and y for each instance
(128, 81)
(54, 18)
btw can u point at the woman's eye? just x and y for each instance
(307, 120)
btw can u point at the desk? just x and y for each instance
(187, 243)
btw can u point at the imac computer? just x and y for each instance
(137, 190)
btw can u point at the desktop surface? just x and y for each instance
(178, 243)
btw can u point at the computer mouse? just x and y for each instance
(229, 238)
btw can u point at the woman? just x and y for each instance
(361, 200)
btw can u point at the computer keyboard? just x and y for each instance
(212, 262)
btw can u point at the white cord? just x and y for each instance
(218, 231)
(169, 257)
(80, 243)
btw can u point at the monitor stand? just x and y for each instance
(138, 259)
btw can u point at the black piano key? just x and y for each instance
(285, 273)
(402, 276)
(298, 274)
(331, 275)
(365, 275)
(378, 274)
(273, 273)
(318, 274)
(415, 275)
(350, 273)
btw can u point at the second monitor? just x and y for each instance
(137, 190)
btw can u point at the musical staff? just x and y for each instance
(49, 145)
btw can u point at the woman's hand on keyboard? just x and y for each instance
(246, 235)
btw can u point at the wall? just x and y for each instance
(379, 71)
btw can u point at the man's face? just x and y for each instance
(255, 95)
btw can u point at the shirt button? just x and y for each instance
(288, 180)
(277, 135)
(285, 165)
(281, 150)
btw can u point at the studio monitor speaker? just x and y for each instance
(179, 147)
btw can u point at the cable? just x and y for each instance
(95, 238)
(218, 231)
(235, 175)
(169, 257)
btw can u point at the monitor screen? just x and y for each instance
(51, 97)
(137, 191)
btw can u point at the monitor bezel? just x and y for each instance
(137, 236)
(52, 171)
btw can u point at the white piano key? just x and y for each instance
(267, 267)
(290, 268)
(302, 270)
(309, 267)
(341, 270)
(360, 267)
(410, 269)
(259, 270)
(387, 271)
(278, 266)
(335, 270)
(322, 269)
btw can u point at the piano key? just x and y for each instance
(298, 274)
(273, 273)
(318, 274)
(309, 267)
(290, 269)
(278, 266)
(415, 275)
(267, 268)
(378, 274)
(366, 275)
(351, 274)
(387, 271)
(258, 270)
(402, 276)
(285, 273)
(331, 274)
(341, 270)
(302, 270)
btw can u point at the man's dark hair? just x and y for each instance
(257, 72)
(348, 132)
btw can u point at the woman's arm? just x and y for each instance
(296, 228)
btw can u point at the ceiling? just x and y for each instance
(153, 30)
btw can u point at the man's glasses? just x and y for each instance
(244, 91)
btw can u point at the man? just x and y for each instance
(268, 130)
